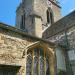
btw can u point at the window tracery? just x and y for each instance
(50, 18)
(41, 66)
(22, 26)
(47, 66)
(29, 64)
(36, 62)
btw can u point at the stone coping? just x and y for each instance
(21, 32)
(10, 64)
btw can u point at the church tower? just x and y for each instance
(35, 16)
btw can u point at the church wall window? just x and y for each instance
(29, 64)
(47, 66)
(37, 62)
(41, 62)
(22, 26)
(50, 18)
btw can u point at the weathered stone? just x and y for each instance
(13, 51)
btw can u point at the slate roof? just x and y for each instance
(61, 25)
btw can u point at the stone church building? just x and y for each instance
(41, 43)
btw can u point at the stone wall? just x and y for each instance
(14, 44)
(56, 12)
(71, 41)
(24, 8)
(66, 39)
(41, 7)
(12, 49)
(36, 7)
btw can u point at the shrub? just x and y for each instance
(62, 73)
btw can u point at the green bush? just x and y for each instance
(62, 73)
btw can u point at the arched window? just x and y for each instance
(37, 62)
(22, 26)
(50, 18)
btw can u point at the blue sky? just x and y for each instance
(8, 9)
(67, 6)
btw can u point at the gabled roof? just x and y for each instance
(60, 26)
(21, 32)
